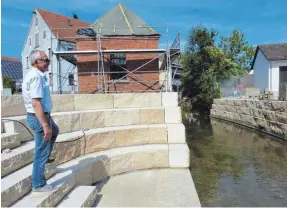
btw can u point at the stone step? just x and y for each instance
(23, 155)
(15, 125)
(17, 158)
(94, 167)
(64, 182)
(14, 105)
(88, 119)
(9, 141)
(81, 196)
(18, 184)
(95, 140)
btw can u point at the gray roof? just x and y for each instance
(120, 20)
(274, 51)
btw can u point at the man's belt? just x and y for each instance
(33, 114)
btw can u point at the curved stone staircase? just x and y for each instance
(100, 136)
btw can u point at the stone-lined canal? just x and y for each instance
(235, 166)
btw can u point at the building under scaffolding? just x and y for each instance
(120, 53)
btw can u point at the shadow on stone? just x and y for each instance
(97, 166)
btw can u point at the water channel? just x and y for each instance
(236, 166)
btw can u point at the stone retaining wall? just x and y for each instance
(267, 116)
(14, 105)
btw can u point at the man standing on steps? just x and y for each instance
(38, 102)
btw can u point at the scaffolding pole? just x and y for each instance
(168, 53)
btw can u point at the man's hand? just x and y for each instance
(47, 133)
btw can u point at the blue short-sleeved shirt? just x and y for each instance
(35, 85)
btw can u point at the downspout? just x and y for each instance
(270, 76)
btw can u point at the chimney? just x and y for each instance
(75, 16)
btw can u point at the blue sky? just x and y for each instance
(262, 21)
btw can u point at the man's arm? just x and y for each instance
(36, 103)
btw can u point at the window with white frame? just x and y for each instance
(30, 41)
(44, 34)
(37, 40)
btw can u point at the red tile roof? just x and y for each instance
(54, 20)
(5, 58)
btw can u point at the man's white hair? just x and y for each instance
(34, 55)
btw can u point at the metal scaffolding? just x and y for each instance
(167, 55)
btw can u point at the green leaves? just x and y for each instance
(207, 63)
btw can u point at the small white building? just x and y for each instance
(54, 32)
(270, 67)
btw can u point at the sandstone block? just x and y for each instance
(12, 106)
(84, 175)
(21, 188)
(228, 101)
(121, 117)
(176, 133)
(173, 115)
(276, 128)
(151, 116)
(101, 169)
(92, 120)
(68, 122)
(178, 155)
(56, 196)
(15, 162)
(62, 103)
(169, 99)
(66, 151)
(93, 101)
(248, 120)
(280, 106)
(100, 141)
(150, 159)
(121, 164)
(141, 136)
(9, 141)
(127, 100)
(155, 99)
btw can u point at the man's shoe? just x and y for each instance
(50, 160)
(46, 188)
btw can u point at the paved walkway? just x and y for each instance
(149, 188)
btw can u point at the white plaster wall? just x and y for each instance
(66, 67)
(261, 72)
(45, 44)
(274, 75)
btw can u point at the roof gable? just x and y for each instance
(54, 20)
(274, 51)
(271, 52)
(120, 20)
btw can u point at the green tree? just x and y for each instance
(8, 82)
(236, 48)
(205, 66)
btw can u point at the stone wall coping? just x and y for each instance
(14, 105)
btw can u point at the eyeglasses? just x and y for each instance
(45, 60)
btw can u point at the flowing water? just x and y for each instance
(235, 166)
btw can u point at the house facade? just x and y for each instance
(270, 67)
(50, 32)
(120, 29)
